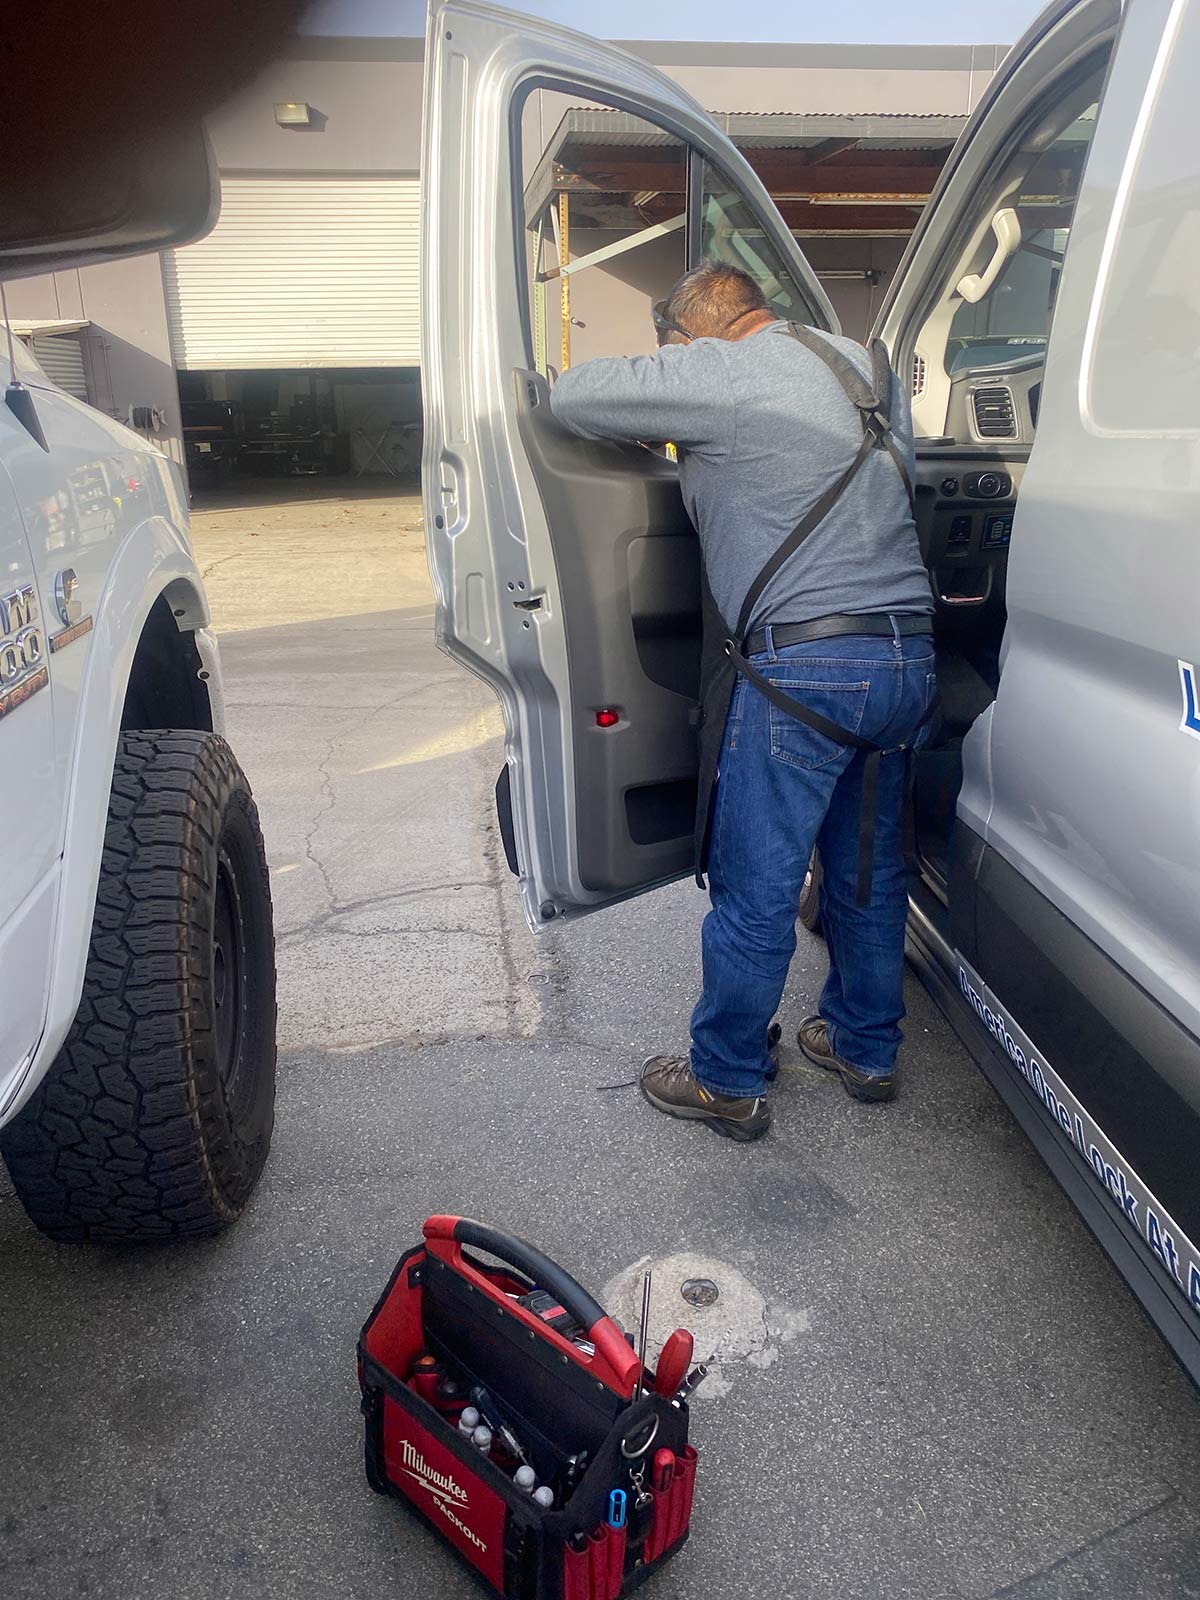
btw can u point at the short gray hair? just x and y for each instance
(709, 299)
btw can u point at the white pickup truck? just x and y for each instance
(137, 981)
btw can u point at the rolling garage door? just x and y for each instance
(300, 272)
(60, 357)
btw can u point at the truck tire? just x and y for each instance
(155, 1119)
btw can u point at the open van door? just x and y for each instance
(567, 573)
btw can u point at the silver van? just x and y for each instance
(1048, 311)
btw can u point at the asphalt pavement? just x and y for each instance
(930, 1383)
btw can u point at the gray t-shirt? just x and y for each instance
(763, 428)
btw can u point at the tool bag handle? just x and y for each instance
(614, 1361)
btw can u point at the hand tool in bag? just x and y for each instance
(691, 1383)
(494, 1418)
(577, 1584)
(574, 1470)
(547, 1309)
(424, 1380)
(447, 1396)
(664, 1467)
(643, 1333)
(675, 1359)
(435, 1385)
(468, 1421)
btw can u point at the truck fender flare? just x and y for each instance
(153, 560)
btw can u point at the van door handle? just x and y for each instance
(447, 514)
(968, 599)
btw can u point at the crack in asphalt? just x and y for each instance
(348, 908)
(1011, 1591)
(219, 562)
(327, 791)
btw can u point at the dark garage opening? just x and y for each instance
(352, 422)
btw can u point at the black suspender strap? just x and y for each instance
(815, 515)
(812, 719)
(868, 803)
(874, 406)
(858, 392)
(881, 369)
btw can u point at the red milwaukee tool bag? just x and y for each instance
(508, 1411)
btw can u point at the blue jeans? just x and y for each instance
(782, 789)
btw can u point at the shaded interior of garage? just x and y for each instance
(359, 421)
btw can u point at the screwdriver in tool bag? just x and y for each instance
(664, 1469)
(643, 1331)
(494, 1418)
(673, 1363)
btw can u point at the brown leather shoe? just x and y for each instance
(813, 1039)
(668, 1084)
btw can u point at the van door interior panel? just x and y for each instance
(629, 578)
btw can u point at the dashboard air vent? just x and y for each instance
(918, 378)
(995, 417)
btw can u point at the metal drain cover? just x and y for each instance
(700, 1292)
(709, 1297)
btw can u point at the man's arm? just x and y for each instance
(682, 394)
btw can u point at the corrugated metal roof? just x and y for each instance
(774, 130)
(880, 131)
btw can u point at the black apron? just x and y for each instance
(722, 658)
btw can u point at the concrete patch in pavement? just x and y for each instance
(736, 1327)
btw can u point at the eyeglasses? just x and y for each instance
(663, 324)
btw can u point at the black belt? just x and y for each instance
(835, 627)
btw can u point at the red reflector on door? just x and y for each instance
(607, 718)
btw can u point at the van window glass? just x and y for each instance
(604, 195)
(1014, 317)
(1145, 369)
(1015, 243)
(730, 232)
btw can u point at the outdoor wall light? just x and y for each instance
(294, 114)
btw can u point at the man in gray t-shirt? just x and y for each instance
(764, 428)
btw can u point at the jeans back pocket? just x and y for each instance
(794, 741)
